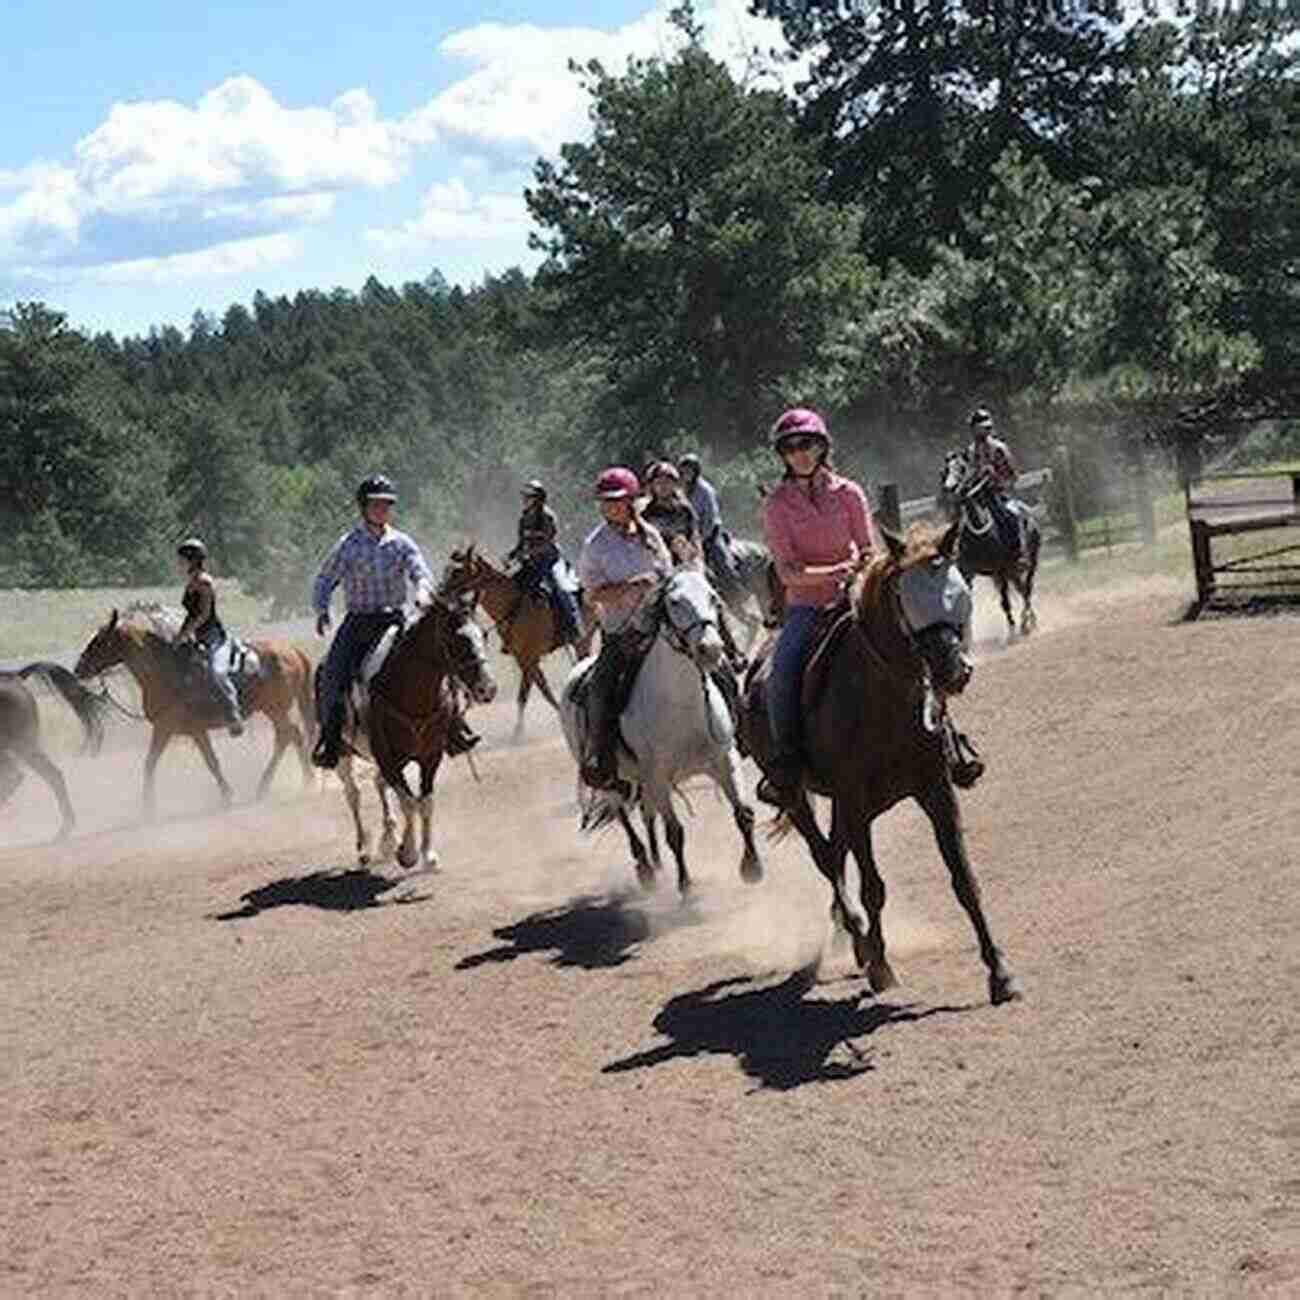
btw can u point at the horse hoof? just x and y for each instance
(1003, 988)
(751, 870)
(363, 858)
(880, 976)
(430, 861)
(405, 859)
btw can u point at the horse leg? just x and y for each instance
(846, 911)
(545, 687)
(157, 743)
(645, 867)
(388, 838)
(649, 819)
(1028, 616)
(203, 744)
(428, 856)
(41, 763)
(521, 699)
(675, 834)
(352, 793)
(1004, 595)
(284, 731)
(726, 772)
(871, 952)
(940, 804)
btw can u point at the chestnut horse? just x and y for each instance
(20, 731)
(141, 642)
(527, 625)
(407, 713)
(875, 732)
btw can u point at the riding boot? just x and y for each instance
(965, 766)
(605, 697)
(782, 779)
(461, 737)
(326, 753)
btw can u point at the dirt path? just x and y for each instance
(233, 1064)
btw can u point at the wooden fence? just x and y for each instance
(1227, 504)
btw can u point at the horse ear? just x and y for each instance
(112, 622)
(895, 543)
(948, 542)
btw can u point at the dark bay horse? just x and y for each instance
(409, 706)
(527, 625)
(140, 641)
(988, 545)
(20, 731)
(874, 733)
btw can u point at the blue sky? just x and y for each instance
(159, 157)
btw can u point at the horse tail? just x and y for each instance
(86, 704)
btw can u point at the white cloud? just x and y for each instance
(522, 100)
(450, 211)
(234, 258)
(44, 216)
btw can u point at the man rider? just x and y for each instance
(373, 561)
(541, 565)
(708, 516)
(992, 456)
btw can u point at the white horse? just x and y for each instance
(676, 725)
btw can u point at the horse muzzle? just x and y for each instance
(483, 689)
(708, 653)
(950, 666)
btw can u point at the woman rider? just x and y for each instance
(202, 628)
(819, 528)
(670, 512)
(623, 560)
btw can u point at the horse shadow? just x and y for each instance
(593, 932)
(778, 1036)
(333, 891)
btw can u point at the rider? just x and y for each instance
(991, 456)
(622, 561)
(670, 512)
(708, 514)
(373, 561)
(203, 629)
(540, 571)
(819, 529)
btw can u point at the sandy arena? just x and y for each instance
(235, 1064)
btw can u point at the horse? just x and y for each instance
(141, 640)
(968, 495)
(527, 626)
(405, 717)
(752, 561)
(875, 732)
(675, 725)
(20, 731)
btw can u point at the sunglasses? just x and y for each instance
(798, 443)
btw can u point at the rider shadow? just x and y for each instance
(333, 891)
(593, 932)
(778, 1037)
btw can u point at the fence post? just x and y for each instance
(891, 515)
(1146, 510)
(1065, 505)
(1201, 562)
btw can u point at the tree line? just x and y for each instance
(1081, 219)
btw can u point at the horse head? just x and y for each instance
(931, 602)
(463, 645)
(688, 612)
(105, 650)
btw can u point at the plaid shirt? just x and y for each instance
(994, 455)
(373, 571)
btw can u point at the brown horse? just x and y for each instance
(284, 679)
(527, 625)
(875, 732)
(20, 731)
(408, 712)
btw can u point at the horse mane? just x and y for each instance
(154, 618)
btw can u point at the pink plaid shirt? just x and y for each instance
(994, 455)
(817, 530)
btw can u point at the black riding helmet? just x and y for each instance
(377, 487)
(192, 548)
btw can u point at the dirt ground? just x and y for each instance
(236, 1064)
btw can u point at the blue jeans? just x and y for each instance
(785, 679)
(356, 634)
(545, 574)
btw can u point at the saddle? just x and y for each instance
(244, 672)
(358, 692)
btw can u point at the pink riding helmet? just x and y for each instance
(799, 420)
(617, 483)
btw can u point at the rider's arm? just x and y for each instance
(417, 570)
(792, 571)
(707, 513)
(331, 572)
(202, 612)
(862, 524)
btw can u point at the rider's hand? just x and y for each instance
(322, 623)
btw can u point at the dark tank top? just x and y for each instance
(209, 630)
